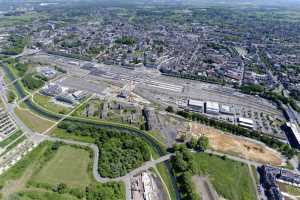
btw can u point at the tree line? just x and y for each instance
(182, 168)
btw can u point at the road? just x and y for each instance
(126, 178)
(38, 138)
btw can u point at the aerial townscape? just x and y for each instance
(150, 99)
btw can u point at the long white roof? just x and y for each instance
(193, 102)
(212, 105)
(295, 129)
(245, 120)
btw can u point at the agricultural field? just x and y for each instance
(68, 176)
(15, 20)
(230, 179)
(30, 120)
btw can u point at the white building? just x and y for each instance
(196, 105)
(227, 110)
(212, 108)
(246, 122)
(295, 130)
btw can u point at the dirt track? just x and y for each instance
(237, 146)
(204, 188)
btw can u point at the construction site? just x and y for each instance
(235, 145)
(147, 186)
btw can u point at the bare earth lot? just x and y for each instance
(237, 146)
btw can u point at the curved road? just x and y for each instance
(95, 149)
(38, 138)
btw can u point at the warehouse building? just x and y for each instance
(212, 108)
(246, 122)
(195, 105)
(227, 110)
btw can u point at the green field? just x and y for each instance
(162, 170)
(69, 166)
(22, 19)
(39, 175)
(62, 133)
(45, 102)
(30, 119)
(292, 190)
(48, 195)
(231, 179)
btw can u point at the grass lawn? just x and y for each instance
(69, 166)
(45, 102)
(61, 133)
(231, 179)
(35, 176)
(11, 138)
(14, 20)
(45, 195)
(292, 190)
(33, 121)
(23, 167)
(254, 171)
(166, 179)
(156, 134)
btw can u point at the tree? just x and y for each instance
(202, 143)
(192, 144)
(11, 96)
(170, 109)
(60, 188)
(181, 138)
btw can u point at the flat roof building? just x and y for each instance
(227, 110)
(246, 122)
(196, 105)
(212, 108)
(51, 90)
